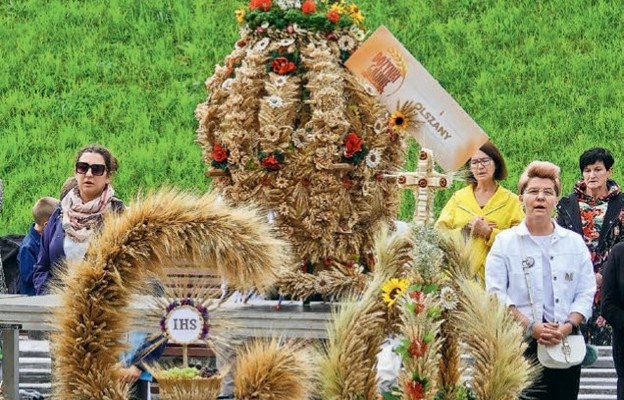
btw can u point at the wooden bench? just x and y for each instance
(183, 282)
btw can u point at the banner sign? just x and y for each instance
(384, 64)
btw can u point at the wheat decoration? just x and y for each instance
(167, 228)
(495, 341)
(348, 365)
(274, 369)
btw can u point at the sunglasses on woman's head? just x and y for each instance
(96, 169)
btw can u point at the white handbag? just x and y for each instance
(567, 353)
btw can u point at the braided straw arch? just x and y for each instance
(167, 228)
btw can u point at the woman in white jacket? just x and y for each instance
(560, 274)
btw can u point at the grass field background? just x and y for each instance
(544, 79)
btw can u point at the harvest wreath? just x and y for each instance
(287, 126)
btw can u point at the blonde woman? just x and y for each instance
(544, 274)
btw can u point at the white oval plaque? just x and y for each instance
(184, 325)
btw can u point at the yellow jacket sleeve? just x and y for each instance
(446, 220)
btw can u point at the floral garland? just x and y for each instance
(203, 311)
(419, 325)
(325, 16)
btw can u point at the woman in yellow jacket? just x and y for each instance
(483, 208)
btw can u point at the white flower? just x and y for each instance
(286, 42)
(359, 34)
(346, 43)
(373, 158)
(281, 80)
(286, 4)
(265, 25)
(227, 84)
(448, 298)
(275, 101)
(282, 183)
(262, 44)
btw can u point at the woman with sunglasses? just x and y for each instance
(67, 236)
(483, 208)
(71, 226)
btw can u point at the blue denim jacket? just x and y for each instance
(135, 355)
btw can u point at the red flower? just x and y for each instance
(283, 66)
(308, 7)
(417, 348)
(333, 16)
(353, 144)
(270, 163)
(347, 183)
(415, 390)
(416, 295)
(218, 153)
(264, 5)
(418, 307)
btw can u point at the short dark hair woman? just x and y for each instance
(595, 210)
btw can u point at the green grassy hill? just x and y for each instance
(544, 80)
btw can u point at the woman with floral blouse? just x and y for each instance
(595, 210)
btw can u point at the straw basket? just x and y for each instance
(190, 389)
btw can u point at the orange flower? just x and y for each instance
(270, 163)
(308, 7)
(353, 144)
(415, 390)
(218, 153)
(263, 5)
(283, 66)
(417, 348)
(333, 16)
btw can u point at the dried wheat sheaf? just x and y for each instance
(163, 229)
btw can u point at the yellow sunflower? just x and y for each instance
(392, 289)
(355, 13)
(399, 121)
(240, 15)
(404, 117)
(338, 7)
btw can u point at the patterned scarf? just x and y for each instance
(80, 218)
(612, 190)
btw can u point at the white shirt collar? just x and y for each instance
(559, 232)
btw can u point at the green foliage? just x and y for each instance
(544, 79)
(180, 373)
